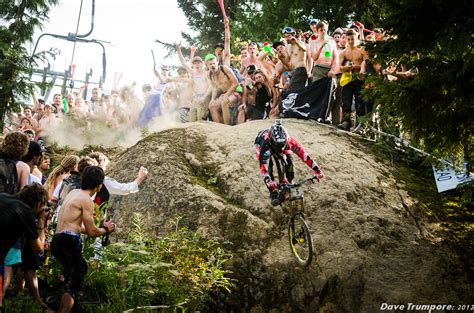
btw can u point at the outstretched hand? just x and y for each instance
(318, 175)
(142, 174)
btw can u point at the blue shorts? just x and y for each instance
(13, 256)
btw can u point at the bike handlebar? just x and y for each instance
(298, 183)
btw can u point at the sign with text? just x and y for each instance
(448, 178)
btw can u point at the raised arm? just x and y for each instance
(35, 101)
(160, 78)
(300, 44)
(226, 52)
(116, 188)
(181, 58)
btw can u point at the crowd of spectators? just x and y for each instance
(42, 209)
(226, 88)
(221, 88)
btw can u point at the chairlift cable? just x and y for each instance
(77, 30)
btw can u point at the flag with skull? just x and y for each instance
(310, 103)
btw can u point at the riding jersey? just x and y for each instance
(264, 152)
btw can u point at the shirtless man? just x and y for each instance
(350, 61)
(224, 95)
(252, 59)
(184, 89)
(57, 105)
(76, 217)
(201, 87)
(324, 53)
(46, 121)
(284, 64)
(297, 53)
(29, 115)
(244, 53)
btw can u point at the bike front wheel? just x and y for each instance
(301, 243)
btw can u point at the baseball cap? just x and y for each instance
(337, 31)
(197, 59)
(209, 56)
(313, 21)
(251, 68)
(40, 100)
(278, 43)
(219, 45)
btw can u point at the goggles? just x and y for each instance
(288, 30)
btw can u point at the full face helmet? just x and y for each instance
(278, 137)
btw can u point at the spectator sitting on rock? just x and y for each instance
(224, 95)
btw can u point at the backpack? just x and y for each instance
(237, 74)
(8, 176)
(234, 70)
(71, 182)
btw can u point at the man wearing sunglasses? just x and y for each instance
(296, 50)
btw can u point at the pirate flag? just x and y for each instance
(309, 103)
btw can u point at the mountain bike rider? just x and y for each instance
(276, 141)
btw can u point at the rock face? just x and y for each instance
(371, 246)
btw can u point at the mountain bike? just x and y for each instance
(299, 235)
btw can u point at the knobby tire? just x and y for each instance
(301, 243)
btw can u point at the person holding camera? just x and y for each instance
(351, 59)
(265, 98)
(22, 214)
(297, 53)
(76, 217)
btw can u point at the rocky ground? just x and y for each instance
(372, 244)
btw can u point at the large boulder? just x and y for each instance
(371, 244)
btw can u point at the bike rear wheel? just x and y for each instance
(301, 243)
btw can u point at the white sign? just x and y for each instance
(448, 178)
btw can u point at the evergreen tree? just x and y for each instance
(436, 106)
(263, 20)
(19, 20)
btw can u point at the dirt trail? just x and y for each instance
(371, 244)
